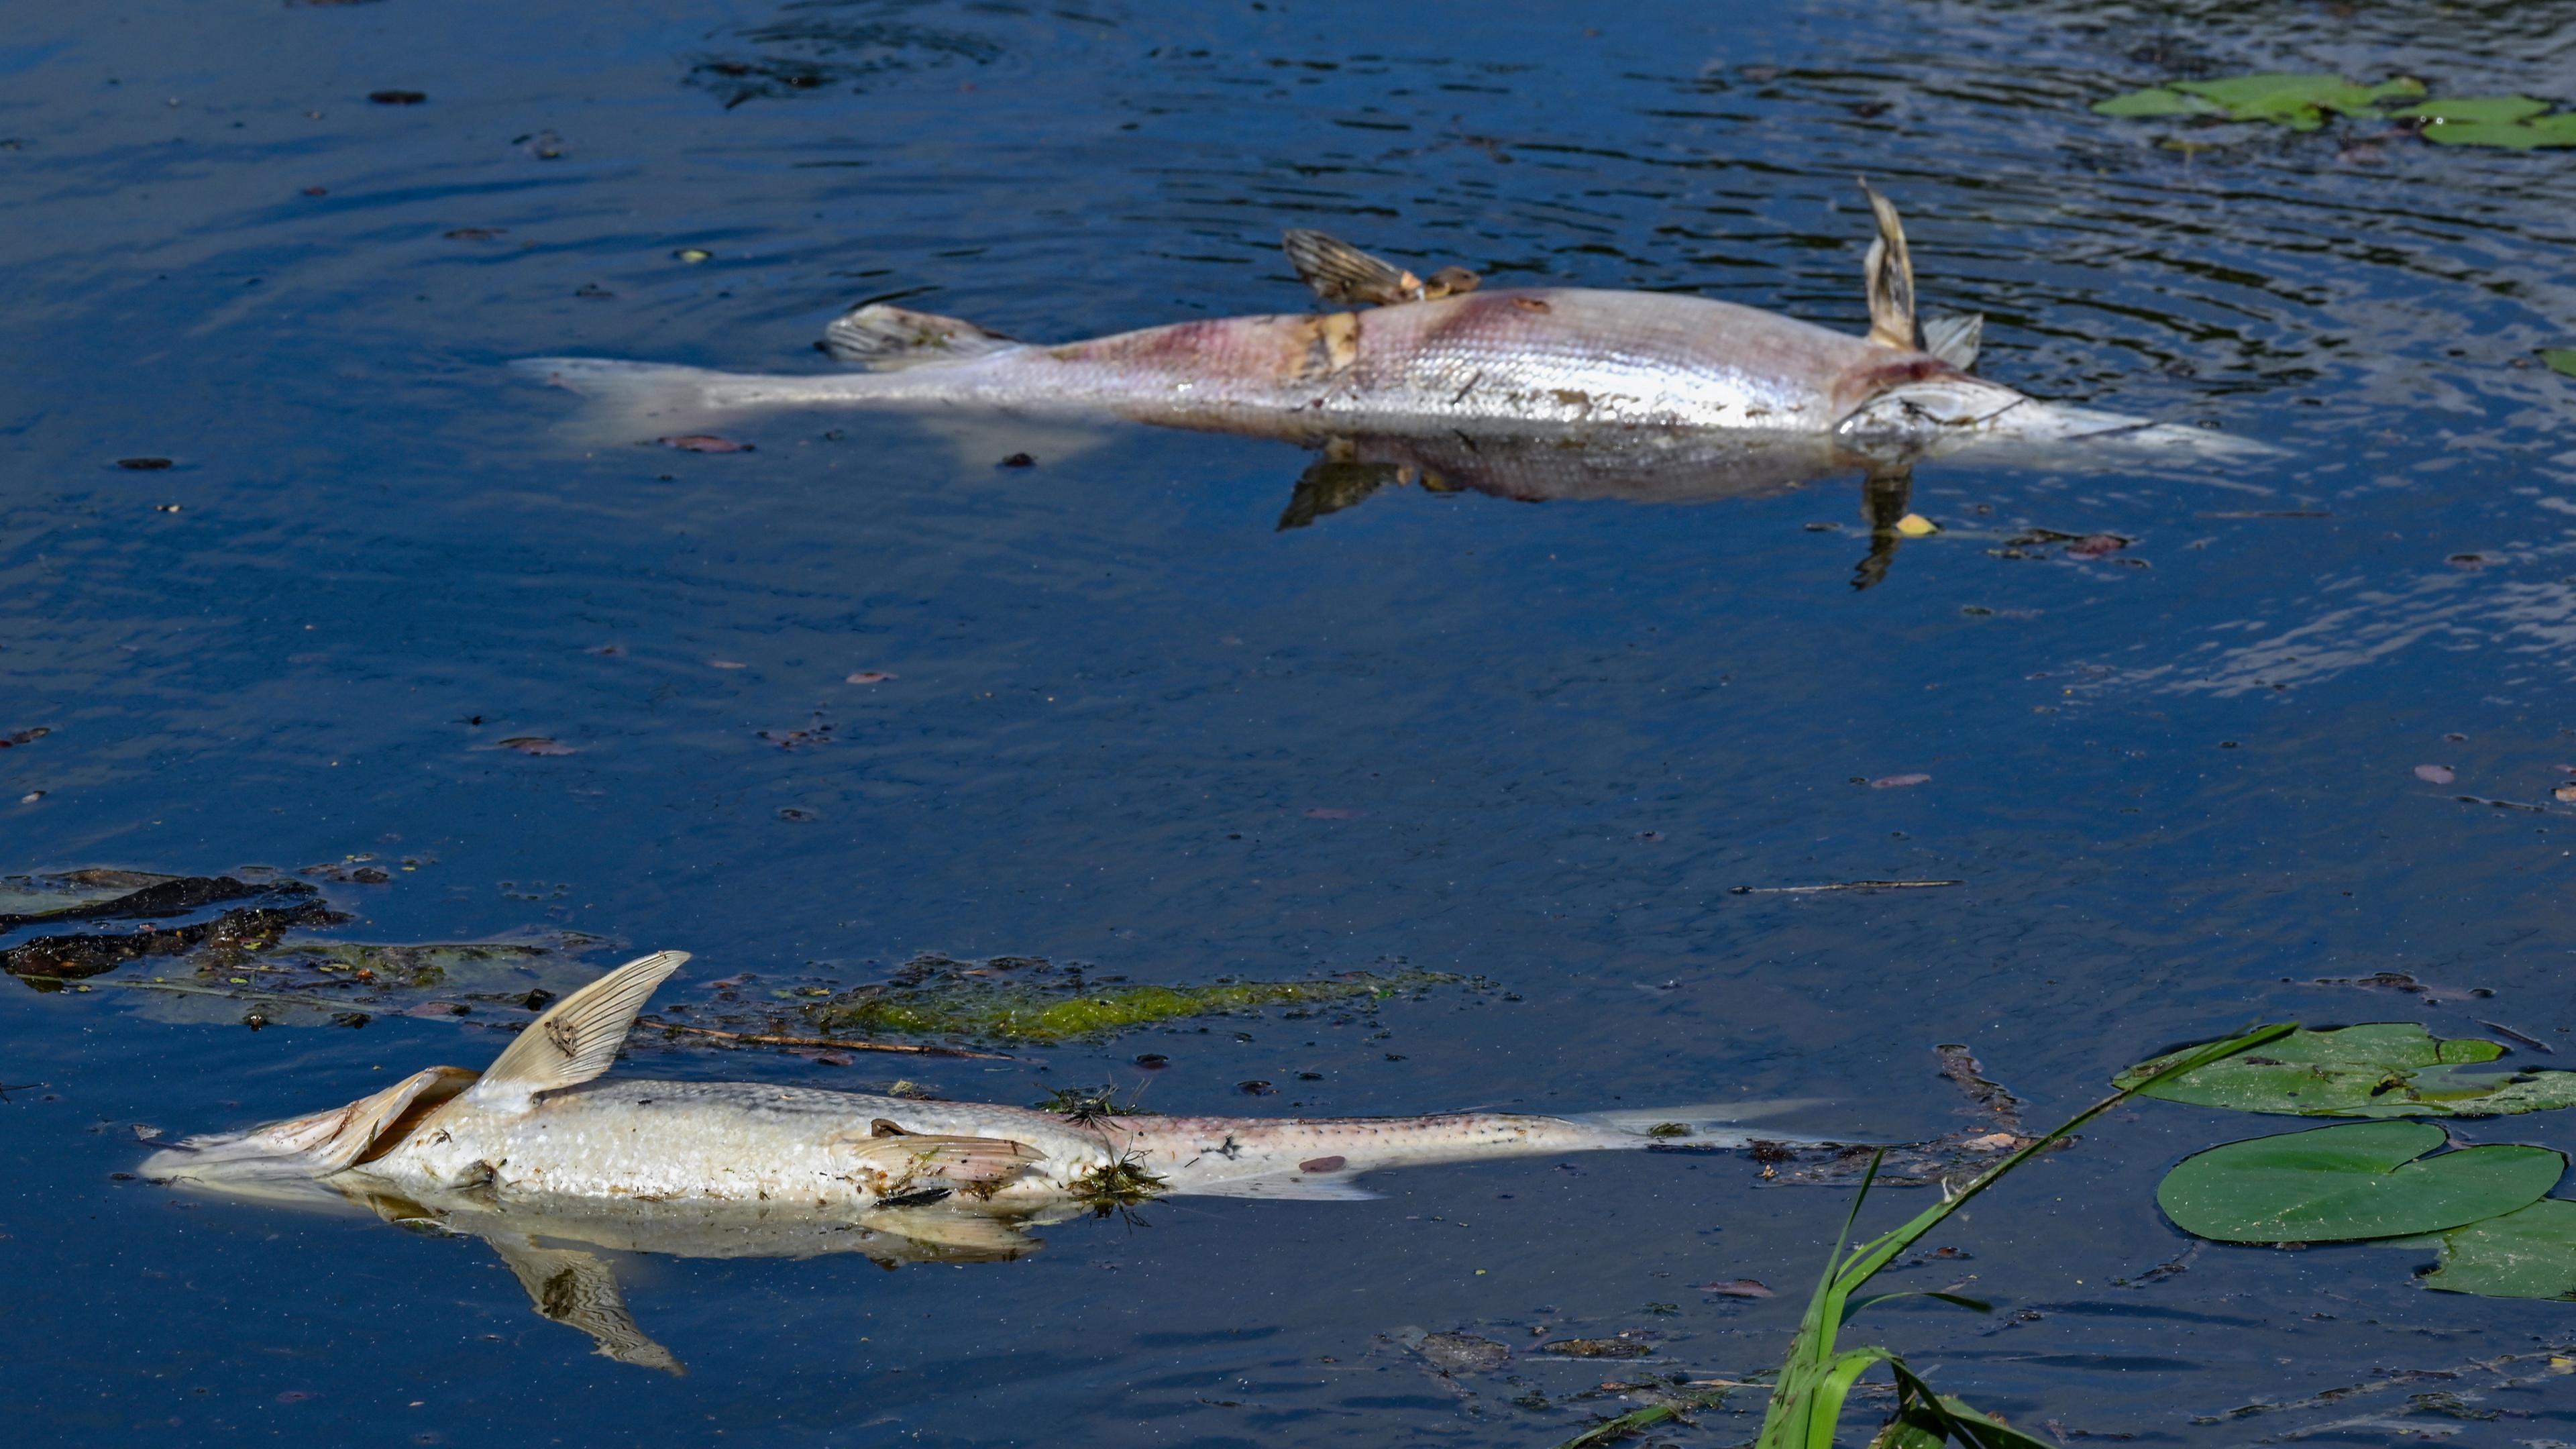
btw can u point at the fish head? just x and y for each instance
(265, 1161)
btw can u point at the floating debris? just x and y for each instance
(1028, 999)
(1597, 1348)
(1463, 1353)
(1841, 885)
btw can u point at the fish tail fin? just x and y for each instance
(1889, 273)
(1698, 1124)
(887, 339)
(635, 401)
(577, 1038)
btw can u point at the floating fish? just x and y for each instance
(1444, 357)
(539, 1146)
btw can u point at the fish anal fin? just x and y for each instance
(576, 1039)
(1889, 275)
(1340, 272)
(577, 1288)
(888, 339)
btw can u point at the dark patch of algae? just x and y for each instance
(936, 997)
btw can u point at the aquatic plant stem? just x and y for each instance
(1815, 1378)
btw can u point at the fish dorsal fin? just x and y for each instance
(1890, 276)
(575, 1040)
(1956, 338)
(1340, 272)
(889, 339)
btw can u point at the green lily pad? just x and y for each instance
(2560, 359)
(2300, 102)
(2526, 1254)
(2158, 101)
(2340, 1184)
(2558, 130)
(2383, 1069)
(2482, 110)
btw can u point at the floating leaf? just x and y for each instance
(2157, 101)
(2384, 1069)
(2338, 1184)
(2558, 130)
(2526, 1254)
(2493, 110)
(2560, 359)
(2298, 101)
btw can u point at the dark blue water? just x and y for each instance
(1133, 724)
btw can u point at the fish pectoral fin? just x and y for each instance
(1340, 272)
(913, 1157)
(1451, 282)
(1889, 275)
(1955, 338)
(576, 1039)
(891, 338)
(578, 1288)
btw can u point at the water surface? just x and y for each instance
(1133, 723)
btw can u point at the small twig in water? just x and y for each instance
(7, 1087)
(1842, 885)
(830, 1043)
(2533, 1042)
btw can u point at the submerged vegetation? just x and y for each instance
(258, 946)
(1029, 999)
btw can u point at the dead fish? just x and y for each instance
(540, 1153)
(1446, 355)
(539, 1122)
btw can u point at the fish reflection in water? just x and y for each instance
(540, 1157)
(1636, 465)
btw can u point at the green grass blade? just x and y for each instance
(1825, 1410)
(1962, 1300)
